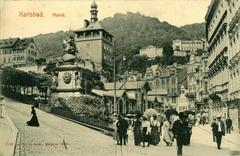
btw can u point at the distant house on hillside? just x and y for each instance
(151, 51)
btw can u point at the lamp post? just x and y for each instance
(114, 84)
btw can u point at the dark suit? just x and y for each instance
(229, 125)
(122, 126)
(220, 131)
(214, 130)
(178, 130)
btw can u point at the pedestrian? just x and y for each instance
(155, 131)
(146, 130)
(137, 130)
(115, 133)
(220, 131)
(166, 134)
(214, 129)
(188, 132)
(122, 127)
(179, 132)
(37, 101)
(34, 119)
(229, 125)
(2, 106)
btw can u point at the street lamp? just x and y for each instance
(114, 84)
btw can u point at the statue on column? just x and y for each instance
(69, 50)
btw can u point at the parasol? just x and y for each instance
(170, 112)
(150, 112)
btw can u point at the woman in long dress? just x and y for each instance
(166, 134)
(155, 131)
(137, 131)
(34, 119)
(115, 134)
(146, 130)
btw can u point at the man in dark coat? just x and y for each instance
(229, 125)
(220, 131)
(214, 129)
(179, 130)
(122, 126)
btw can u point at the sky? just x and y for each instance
(12, 24)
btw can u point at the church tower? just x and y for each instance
(94, 12)
(94, 42)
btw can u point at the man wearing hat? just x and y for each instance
(220, 131)
(179, 129)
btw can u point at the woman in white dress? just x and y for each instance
(166, 134)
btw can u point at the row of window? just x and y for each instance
(165, 81)
(32, 53)
(18, 58)
(6, 51)
(216, 16)
(107, 47)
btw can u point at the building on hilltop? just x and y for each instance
(151, 52)
(16, 52)
(94, 42)
(189, 45)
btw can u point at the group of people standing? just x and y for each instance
(218, 129)
(148, 129)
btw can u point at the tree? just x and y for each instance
(167, 49)
(139, 63)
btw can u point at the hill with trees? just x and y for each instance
(131, 31)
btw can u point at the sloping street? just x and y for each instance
(57, 136)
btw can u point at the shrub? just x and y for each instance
(84, 106)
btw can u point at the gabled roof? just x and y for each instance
(93, 26)
(8, 43)
(119, 93)
(128, 85)
(23, 43)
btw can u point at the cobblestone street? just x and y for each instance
(57, 136)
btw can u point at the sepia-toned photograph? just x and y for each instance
(119, 78)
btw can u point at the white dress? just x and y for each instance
(166, 133)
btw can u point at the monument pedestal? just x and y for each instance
(68, 81)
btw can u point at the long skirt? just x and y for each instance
(155, 137)
(145, 136)
(167, 136)
(137, 135)
(33, 121)
(115, 135)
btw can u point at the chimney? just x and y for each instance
(86, 23)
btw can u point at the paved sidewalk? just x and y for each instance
(8, 135)
(233, 138)
(5, 132)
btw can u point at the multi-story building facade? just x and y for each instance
(165, 83)
(234, 61)
(17, 52)
(151, 51)
(94, 42)
(189, 45)
(201, 100)
(182, 100)
(217, 37)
